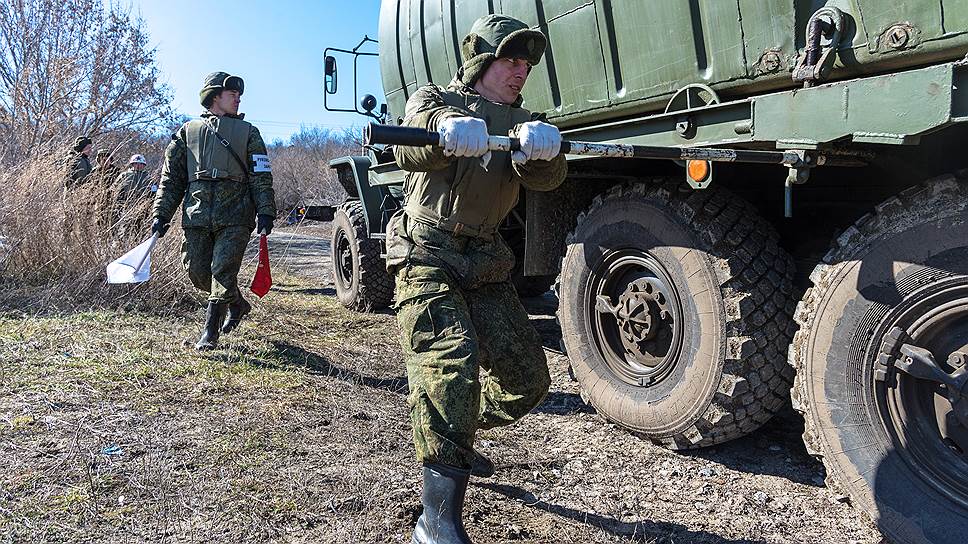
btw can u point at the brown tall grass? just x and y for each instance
(55, 243)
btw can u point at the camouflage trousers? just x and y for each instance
(474, 361)
(212, 259)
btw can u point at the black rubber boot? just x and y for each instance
(481, 466)
(443, 500)
(237, 310)
(213, 325)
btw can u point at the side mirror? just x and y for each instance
(330, 71)
(368, 102)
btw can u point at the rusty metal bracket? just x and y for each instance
(817, 59)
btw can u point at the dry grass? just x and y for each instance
(55, 243)
(112, 429)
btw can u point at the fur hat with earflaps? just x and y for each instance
(498, 36)
(81, 142)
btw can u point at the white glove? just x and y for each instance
(539, 142)
(463, 136)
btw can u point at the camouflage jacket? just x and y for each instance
(80, 170)
(459, 194)
(454, 206)
(134, 184)
(213, 204)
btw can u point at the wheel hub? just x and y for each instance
(919, 363)
(923, 390)
(636, 317)
(639, 312)
(343, 257)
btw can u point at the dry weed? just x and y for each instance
(55, 242)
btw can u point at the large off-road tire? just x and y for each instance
(704, 362)
(889, 440)
(359, 273)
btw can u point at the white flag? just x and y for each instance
(134, 266)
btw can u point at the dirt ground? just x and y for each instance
(112, 429)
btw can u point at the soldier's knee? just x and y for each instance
(537, 383)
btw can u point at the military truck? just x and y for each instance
(694, 296)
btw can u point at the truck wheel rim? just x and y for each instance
(635, 314)
(343, 260)
(921, 411)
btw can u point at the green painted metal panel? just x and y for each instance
(436, 42)
(894, 108)
(578, 64)
(418, 38)
(406, 47)
(716, 125)
(683, 42)
(878, 16)
(620, 59)
(767, 31)
(955, 16)
(390, 41)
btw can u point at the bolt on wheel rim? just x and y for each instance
(635, 315)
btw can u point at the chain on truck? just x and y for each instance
(766, 201)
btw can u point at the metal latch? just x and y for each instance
(818, 57)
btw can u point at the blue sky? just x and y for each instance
(277, 48)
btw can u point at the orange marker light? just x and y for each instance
(698, 170)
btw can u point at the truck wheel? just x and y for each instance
(359, 273)
(675, 311)
(882, 364)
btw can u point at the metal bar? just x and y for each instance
(409, 136)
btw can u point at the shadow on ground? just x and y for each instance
(776, 449)
(318, 364)
(642, 531)
(563, 404)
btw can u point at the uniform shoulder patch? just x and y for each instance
(262, 163)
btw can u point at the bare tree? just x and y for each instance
(74, 67)
(300, 169)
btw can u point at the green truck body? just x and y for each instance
(611, 59)
(846, 282)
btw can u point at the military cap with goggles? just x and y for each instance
(217, 82)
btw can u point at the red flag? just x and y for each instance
(263, 276)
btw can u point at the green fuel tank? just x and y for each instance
(613, 59)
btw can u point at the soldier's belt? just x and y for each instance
(430, 217)
(213, 175)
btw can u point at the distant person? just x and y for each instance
(81, 163)
(135, 183)
(105, 171)
(134, 194)
(474, 361)
(218, 169)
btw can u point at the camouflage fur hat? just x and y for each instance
(217, 82)
(81, 142)
(498, 36)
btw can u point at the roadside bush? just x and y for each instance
(300, 169)
(55, 243)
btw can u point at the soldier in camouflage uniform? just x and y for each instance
(105, 171)
(80, 167)
(473, 359)
(135, 183)
(218, 169)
